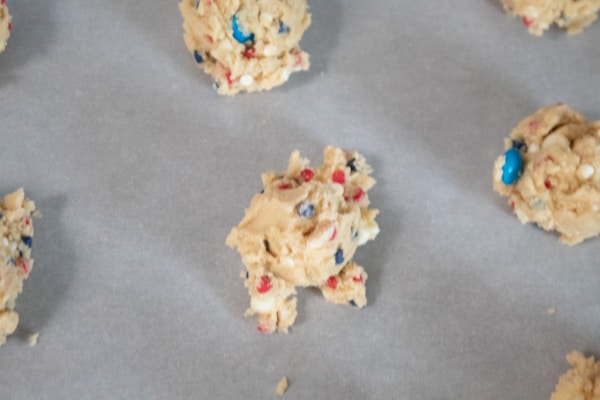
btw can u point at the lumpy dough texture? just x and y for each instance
(582, 382)
(538, 15)
(16, 236)
(303, 230)
(246, 45)
(5, 25)
(559, 188)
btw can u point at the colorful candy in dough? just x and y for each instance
(550, 172)
(246, 45)
(538, 15)
(303, 230)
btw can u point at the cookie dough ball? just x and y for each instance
(5, 25)
(538, 15)
(551, 172)
(16, 237)
(303, 230)
(582, 382)
(246, 45)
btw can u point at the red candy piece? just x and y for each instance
(210, 39)
(10, 26)
(265, 285)
(21, 263)
(298, 57)
(533, 125)
(263, 329)
(333, 235)
(357, 279)
(228, 77)
(332, 282)
(2, 1)
(249, 53)
(338, 177)
(284, 186)
(307, 175)
(27, 221)
(548, 184)
(358, 195)
(527, 22)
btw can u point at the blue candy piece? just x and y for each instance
(198, 57)
(518, 144)
(339, 256)
(238, 33)
(350, 164)
(513, 166)
(306, 210)
(283, 28)
(352, 303)
(28, 240)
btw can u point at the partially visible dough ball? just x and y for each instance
(538, 15)
(16, 239)
(246, 45)
(551, 172)
(5, 25)
(582, 382)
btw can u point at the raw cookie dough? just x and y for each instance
(16, 235)
(582, 382)
(282, 386)
(538, 15)
(246, 45)
(5, 25)
(551, 172)
(303, 230)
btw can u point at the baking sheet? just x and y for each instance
(140, 170)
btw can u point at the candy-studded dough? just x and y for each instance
(303, 230)
(16, 236)
(582, 382)
(246, 45)
(559, 182)
(5, 25)
(538, 15)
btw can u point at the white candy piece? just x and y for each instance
(585, 172)
(270, 50)
(262, 304)
(533, 148)
(246, 80)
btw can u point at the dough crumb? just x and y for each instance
(282, 386)
(550, 172)
(582, 382)
(33, 339)
(550, 310)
